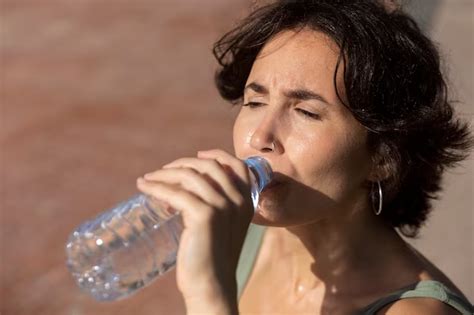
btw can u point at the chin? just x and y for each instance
(270, 215)
(286, 212)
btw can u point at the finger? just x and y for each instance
(192, 181)
(237, 166)
(241, 219)
(215, 172)
(188, 163)
(242, 173)
(191, 206)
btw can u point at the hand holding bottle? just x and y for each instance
(212, 192)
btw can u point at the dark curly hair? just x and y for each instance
(393, 86)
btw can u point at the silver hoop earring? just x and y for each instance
(377, 211)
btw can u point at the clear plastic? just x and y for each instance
(132, 244)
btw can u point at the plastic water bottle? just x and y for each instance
(127, 247)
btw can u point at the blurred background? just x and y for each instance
(95, 93)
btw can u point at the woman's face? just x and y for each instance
(319, 151)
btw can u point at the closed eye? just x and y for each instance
(303, 112)
(252, 104)
(308, 114)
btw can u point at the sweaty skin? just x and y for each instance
(323, 250)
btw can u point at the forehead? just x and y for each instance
(297, 56)
(304, 39)
(305, 46)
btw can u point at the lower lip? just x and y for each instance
(273, 187)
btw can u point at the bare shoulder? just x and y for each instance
(418, 306)
(427, 270)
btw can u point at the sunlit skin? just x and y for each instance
(321, 152)
(318, 145)
(324, 251)
(330, 243)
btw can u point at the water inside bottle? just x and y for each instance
(128, 246)
(123, 250)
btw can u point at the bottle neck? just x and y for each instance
(260, 175)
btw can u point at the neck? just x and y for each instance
(336, 252)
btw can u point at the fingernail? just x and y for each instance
(140, 180)
(147, 176)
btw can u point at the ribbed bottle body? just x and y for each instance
(130, 245)
(125, 248)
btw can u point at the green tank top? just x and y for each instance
(426, 288)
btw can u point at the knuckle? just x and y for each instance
(189, 177)
(239, 201)
(222, 203)
(189, 172)
(213, 163)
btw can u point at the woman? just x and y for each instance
(346, 101)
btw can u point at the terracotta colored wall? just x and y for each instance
(96, 93)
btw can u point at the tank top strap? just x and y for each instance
(248, 255)
(426, 288)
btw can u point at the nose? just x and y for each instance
(264, 138)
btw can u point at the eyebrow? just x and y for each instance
(300, 94)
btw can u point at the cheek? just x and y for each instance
(338, 161)
(241, 137)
